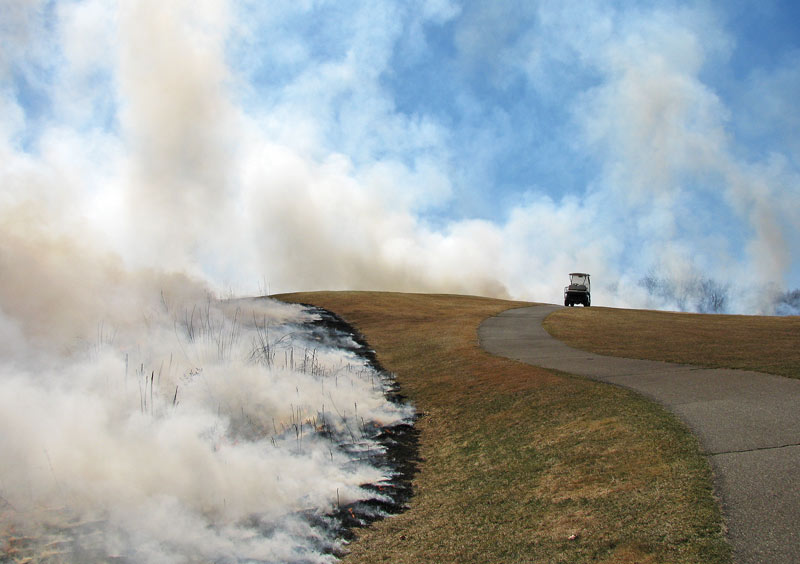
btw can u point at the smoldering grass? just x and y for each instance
(165, 384)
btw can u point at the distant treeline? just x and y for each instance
(706, 295)
(788, 303)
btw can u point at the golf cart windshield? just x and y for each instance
(579, 279)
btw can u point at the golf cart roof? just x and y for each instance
(578, 274)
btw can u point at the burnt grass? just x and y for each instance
(399, 455)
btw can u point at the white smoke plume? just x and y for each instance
(145, 126)
(199, 429)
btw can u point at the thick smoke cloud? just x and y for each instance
(229, 142)
(204, 430)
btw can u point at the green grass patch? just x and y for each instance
(748, 342)
(522, 464)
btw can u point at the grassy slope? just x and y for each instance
(766, 344)
(521, 464)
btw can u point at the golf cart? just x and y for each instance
(578, 291)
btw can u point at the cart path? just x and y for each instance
(748, 424)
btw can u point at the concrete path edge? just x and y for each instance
(748, 425)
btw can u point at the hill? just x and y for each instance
(521, 464)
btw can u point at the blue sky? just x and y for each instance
(476, 147)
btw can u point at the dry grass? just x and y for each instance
(766, 344)
(521, 464)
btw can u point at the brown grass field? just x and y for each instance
(521, 464)
(765, 344)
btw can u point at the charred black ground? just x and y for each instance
(400, 453)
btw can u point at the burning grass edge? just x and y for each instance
(400, 442)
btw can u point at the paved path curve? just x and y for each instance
(748, 424)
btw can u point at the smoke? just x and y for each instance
(194, 429)
(146, 419)
(221, 141)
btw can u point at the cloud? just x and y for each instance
(22, 23)
(667, 149)
(765, 103)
